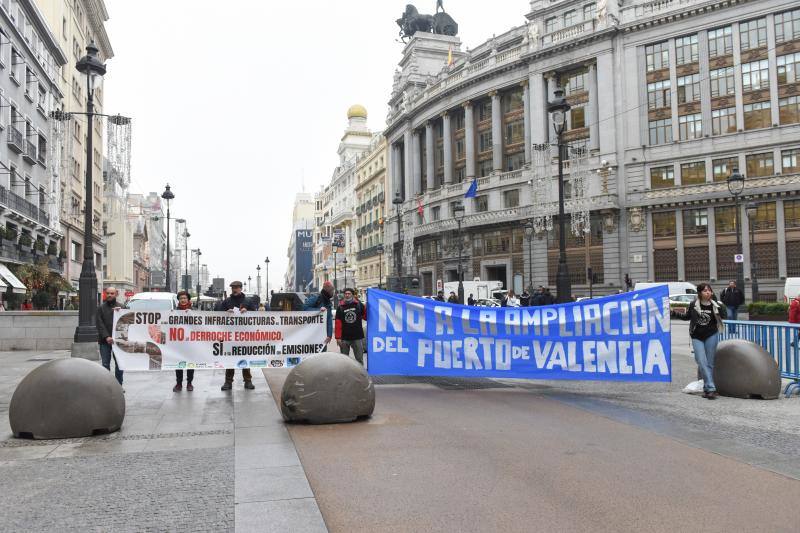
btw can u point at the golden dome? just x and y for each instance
(357, 110)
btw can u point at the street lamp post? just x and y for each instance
(529, 231)
(86, 332)
(186, 236)
(736, 187)
(380, 266)
(752, 211)
(198, 287)
(266, 274)
(249, 285)
(344, 262)
(398, 202)
(168, 195)
(558, 109)
(258, 280)
(458, 213)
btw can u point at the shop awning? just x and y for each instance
(10, 280)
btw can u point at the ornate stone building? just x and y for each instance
(371, 208)
(667, 96)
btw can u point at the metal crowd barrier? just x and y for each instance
(780, 339)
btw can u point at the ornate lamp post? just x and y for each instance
(344, 263)
(249, 286)
(198, 286)
(529, 231)
(186, 236)
(752, 212)
(398, 202)
(168, 195)
(558, 108)
(380, 266)
(258, 280)
(458, 213)
(736, 187)
(266, 273)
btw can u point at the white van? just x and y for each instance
(791, 289)
(478, 289)
(675, 287)
(153, 301)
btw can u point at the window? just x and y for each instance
(686, 50)
(720, 42)
(760, 165)
(459, 149)
(575, 81)
(689, 88)
(658, 94)
(787, 26)
(482, 203)
(485, 141)
(485, 168)
(664, 224)
(589, 11)
(765, 216)
(460, 174)
(458, 121)
(577, 116)
(723, 121)
(755, 75)
(436, 212)
(789, 68)
(695, 222)
(757, 115)
(515, 132)
(515, 161)
(753, 34)
(484, 110)
(791, 213)
(657, 56)
(570, 18)
(550, 25)
(722, 168)
(690, 126)
(789, 110)
(790, 160)
(661, 131)
(722, 82)
(693, 173)
(661, 177)
(76, 251)
(725, 219)
(511, 198)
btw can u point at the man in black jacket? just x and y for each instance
(732, 296)
(349, 328)
(237, 300)
(104, 320)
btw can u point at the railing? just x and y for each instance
(11, 253)
(569, 32)
(15, 139)
(30, 151)
(780, 339)
(23, 206)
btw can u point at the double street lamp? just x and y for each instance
(168, 195)
(752, 212)
(558, 109)
(458, 213)
(736, 187)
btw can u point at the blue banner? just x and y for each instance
(624, 337)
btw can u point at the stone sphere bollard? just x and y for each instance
(67, 398)
(327, 388)
(743, 369)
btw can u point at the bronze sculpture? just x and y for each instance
(412, 21)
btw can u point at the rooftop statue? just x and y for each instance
(412, 21)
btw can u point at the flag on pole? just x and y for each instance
(472, 192)
(420, 209)
(449, 55)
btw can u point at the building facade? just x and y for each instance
(667, 99)
(30, 59)
(371, 208)
(299, 274)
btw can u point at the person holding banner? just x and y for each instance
(104, 320)
(324, 302)
(705, 317)
(349, 328)
(237, 302)
(184, 303)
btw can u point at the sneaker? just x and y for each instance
(227, 385)
(189, 387)
(177, 388)
(249, 385)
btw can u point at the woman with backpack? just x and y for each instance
(705, 315)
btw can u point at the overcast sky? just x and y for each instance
(236, 104)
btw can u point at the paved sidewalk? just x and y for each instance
(201, 461)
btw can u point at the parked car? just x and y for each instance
(675, 287)
(679, 303)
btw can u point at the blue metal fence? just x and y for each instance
(780, 339)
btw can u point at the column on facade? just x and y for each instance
(605, 104)
(469, 139)
(417, 162)
(679, 245)
(536, 109)
(651, 249)
(430, 162)
(780, 226)
(673, 82)
(737, 80)
(594, 117)
(526, 105)
(397, 178)
(497, 132)
(745, 224)
(772, 58)
(550, 86)
(705, 89)
(447, 145)
(408, 179)
(712, 243)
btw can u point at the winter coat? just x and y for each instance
(235, 301)
(104, 320)
(794, 311)
(732, 297)
(316, 302)
(694, 311)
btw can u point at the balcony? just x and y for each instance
(41, 158)
(15, 140)
(369, 252)
(10, 253)
(23, 207)
(29, 154)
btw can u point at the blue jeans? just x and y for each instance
(105, 357)
(733, 314)
(704, 355)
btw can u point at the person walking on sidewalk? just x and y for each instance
(184, 304)
(349, 328)
(732, 296)
(705, 317)
(324, 302)
(237, 301)
(104, 320)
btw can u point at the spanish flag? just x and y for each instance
(449, 55)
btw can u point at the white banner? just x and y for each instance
(171, 340)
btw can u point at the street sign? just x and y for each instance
(439, 285)
(738, 258)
